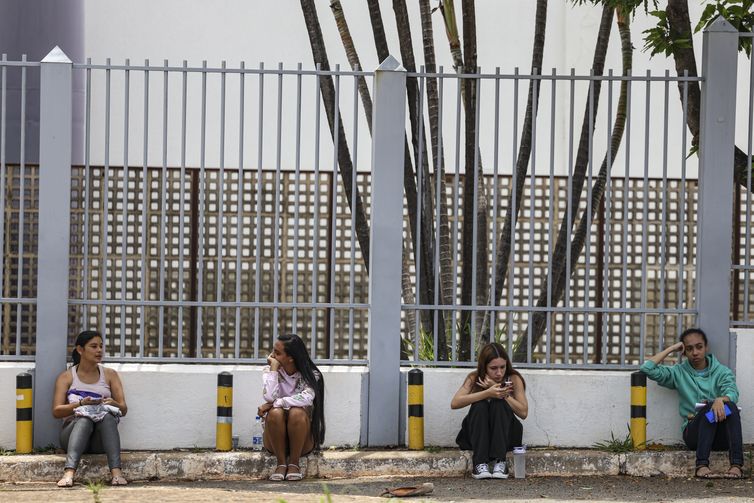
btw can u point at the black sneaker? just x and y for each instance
(500, 470)
(481, 471)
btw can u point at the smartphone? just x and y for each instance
(711, 414)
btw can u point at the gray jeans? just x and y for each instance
(82, 435)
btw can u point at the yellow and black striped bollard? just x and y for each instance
(224, 440)
(416, 409)
(639, 410)
(24, 428)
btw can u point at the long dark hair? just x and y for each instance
(81, 340)
(488, 353)
(296, 349)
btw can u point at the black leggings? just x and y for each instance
(702, 436)
(490, 430)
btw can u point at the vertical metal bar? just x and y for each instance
(3, 167)
(276, 203)
(239, 208)
(315, 238)
(106, 208)
(388, 128)
(550, 222)
(417, 237)
(352, 254)
(664, 210)
(512, 255)
(144, 206)
(532, 190)
(55, 128)
(124, 213)
(645, 209)
(750, 132)
(626, 208)
(718, 119)
(569, 220)
(202, 214)
(588, 240)
(455, 214)
(297, 198)
(334, 212)
(260, 208)
(682, 206)
(495, 201)
(439, 193)
(477, 83)
(220, 217)
(163, 209)
(22, 209)
(87, 190)
(182, 209)
(607, 199)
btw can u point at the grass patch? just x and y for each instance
(433, 448)
(4, 452)
(48, 449)
(95, 488)
(327, 498)
(617, 445)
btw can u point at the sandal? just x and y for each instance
(703, 472)
(294, 475)
(66, 481)
(276, 476)
(734, 472)
(118, 480)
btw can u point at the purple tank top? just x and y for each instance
(100, 387)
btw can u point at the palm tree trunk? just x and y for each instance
(558, 262)
(438, 154)
(505, 243)
(685, 60)
(319, 53)
(426, 241)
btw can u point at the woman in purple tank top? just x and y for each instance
(90, 399)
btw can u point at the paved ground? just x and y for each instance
(562, 490)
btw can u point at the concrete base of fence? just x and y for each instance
(175, 465)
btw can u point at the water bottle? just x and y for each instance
(256, 438)
(519, 462)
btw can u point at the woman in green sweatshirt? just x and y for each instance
(704, 386)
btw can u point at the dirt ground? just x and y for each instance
(562, 490)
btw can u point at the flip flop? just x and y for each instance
(118, 480)
(403, 492)
(278, 477)
(66, 481)
(294, 476)
(737, 474)
(707, 475)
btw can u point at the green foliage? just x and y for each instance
(658, 40)
(736, 12)
(617, 445)
(46, 449)
(327, 498)
(4, 452)
(95, 487)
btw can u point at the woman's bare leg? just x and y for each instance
(299, 434)
(275, 436)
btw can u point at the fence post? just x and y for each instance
(716, 144)
(54, 232)
(385, 244)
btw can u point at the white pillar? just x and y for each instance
(385, 244)
(716, 144)
(54, 239)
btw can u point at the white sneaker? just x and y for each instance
(481, 471)
(500, 470)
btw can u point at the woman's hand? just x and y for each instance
(678, 346)
(718, 407)
(486, 383)
(274, 364)
(111, 402)
(264, 409)
(90, 401)
(495, 391)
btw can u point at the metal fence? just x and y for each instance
(241, 215)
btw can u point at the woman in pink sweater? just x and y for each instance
(293, 408)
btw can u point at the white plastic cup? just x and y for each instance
(519, 462)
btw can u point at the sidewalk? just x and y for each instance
(243, 464)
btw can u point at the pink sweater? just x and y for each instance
(286, 391)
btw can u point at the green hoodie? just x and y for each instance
(692, 388)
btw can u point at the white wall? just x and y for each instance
(174, 405)
(272, 32)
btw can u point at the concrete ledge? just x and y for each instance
(210, 465)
